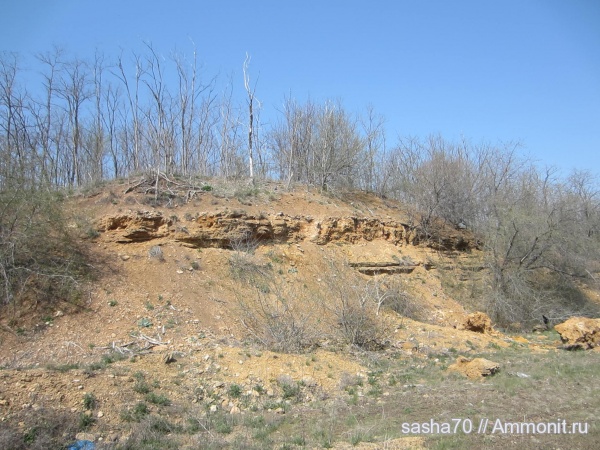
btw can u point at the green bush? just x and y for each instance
(89, 401)
(40, 259)
(235, 391)
(158, 399)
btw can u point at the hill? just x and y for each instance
(243, 316)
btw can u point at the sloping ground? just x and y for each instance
(190, 270)
(166, 306)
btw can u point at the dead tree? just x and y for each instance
(250, 91)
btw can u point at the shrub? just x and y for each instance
(152, 432)
(290, 389)
(158, 399)
(40, 259)
(242, 264)
(406, 305)
(136, 414)
(141, 387)
(235, 391)
(278, 318)
(86, 421)
(39, 429)
(357, 324)
(89, 401)
(354, 307)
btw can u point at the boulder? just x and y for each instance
(478, 322)
(579, 333)
(474, 368)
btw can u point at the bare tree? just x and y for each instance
(112, 104)
(292, 141)
(229, 138)
(338, 148)
(374, 141)
(250, 91)
(97, 133)
(133, 98)
(74, 89)
(46, 117)
(12, 158)
(160, 137)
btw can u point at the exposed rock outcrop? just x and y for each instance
(355, 229)
(135, 227)
(579, 333)
(382, 267)
(223, 229)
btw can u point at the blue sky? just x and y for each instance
(491, 71)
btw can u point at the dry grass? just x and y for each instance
(397, 389)
(39, 429)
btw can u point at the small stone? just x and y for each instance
(213, 408)
(85, 437)
(100, 414)
(125, 257)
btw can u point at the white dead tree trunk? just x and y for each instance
(250, 92)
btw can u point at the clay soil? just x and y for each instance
(162, 328)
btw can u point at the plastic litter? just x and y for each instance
(82, 445)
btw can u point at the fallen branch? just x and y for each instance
(135, 186)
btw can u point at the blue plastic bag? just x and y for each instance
(82, 445)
